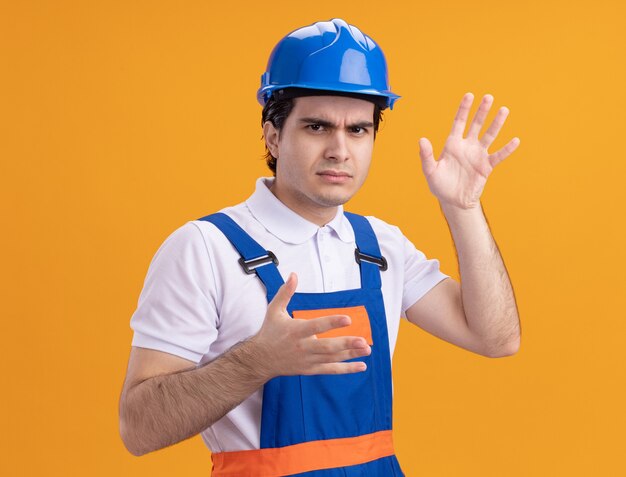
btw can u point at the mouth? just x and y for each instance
(334, 177)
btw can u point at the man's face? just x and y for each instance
(324, 152)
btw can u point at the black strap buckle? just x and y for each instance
(381, 262)
(250, 265)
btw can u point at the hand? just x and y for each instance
(458, 177)
(289, 346)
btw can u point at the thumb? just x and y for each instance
(426, 154)
(285, 292)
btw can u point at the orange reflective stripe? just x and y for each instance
(360, 325)
(313, 455)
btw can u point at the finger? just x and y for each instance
(479, 117)
(342, 355)
(458, 126)
(284, 293)
(491, 133)
(498, 156)
(335, 345)
(315, 326)
(338, 368)
(426, 154)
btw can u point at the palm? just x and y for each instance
(458, 177)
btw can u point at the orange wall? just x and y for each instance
(122, 120)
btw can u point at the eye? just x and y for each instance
(358, 130)
(315, 127)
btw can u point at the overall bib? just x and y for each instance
(323, 425)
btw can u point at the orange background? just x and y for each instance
(120, 121)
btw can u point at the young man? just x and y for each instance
(294, 377)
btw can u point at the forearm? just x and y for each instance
(487, 294)
(167, 409)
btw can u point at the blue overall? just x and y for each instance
(299, 409)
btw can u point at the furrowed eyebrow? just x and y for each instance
(362, 124)
(321, 122)
(328, 124)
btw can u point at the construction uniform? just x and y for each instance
(198, 301)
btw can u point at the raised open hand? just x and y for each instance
(458, 177)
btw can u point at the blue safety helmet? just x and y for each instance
(327, 56)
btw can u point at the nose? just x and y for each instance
(337, 147)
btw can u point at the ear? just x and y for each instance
(270, 133)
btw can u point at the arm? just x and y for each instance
(180, 401)
(480, 314)
(165, 400)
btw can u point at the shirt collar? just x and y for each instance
(286, 224)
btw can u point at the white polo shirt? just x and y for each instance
(197, 302)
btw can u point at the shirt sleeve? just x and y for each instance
(420, 275)
(177, 311)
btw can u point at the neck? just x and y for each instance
(317, 215)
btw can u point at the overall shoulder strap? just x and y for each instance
(367, 253)
(254, 258)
